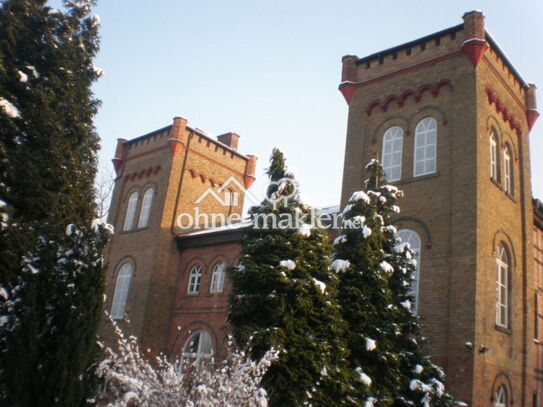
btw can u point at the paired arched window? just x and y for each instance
(122, 287)
(503, 265)
(217, 278)
(131, 211)
(425, 147)
(412, 237)
(145, 208)
(198, 347)
(195, 279)
(500, 398)
(392, 153)
(507, 170)
(493, 142)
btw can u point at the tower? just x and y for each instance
(162, 178)
(449, 117)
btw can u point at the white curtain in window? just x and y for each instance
(122, 287)
(217, 279)
(131, 211)
(493, 157)
(145, 208)
(412, 237)
(194, 279)
(392, 153)
(425, 147)
(507, 170)
(502, 275)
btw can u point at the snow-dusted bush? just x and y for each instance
(132, 380)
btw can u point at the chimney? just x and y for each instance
(230, 139)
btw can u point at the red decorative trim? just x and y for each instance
(430, 62)
(117, 164)
(176, 146)
(408, 133)
(511, 91)
(248, 180)
(445, 123)
(433, 88)
(146, 172)
(474, 49)
(347, 90)
(531, 116)
(501, 108)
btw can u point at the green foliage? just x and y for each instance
(53, 281)
(375, 271)
(283, 297)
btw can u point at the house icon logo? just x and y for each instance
(228, 194)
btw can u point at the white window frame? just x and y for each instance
(204, 347)
(413, 238)
(130, 211)
(493, 156)
(217, 278)
(503, 263)
(195, 279)
(507, 170)
(122, 288)
(425, 128)
(390, 154)
(501, 397)
(145, 208)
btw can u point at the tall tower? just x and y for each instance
(162, 178)
(449, 117)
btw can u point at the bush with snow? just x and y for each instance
(130, 379)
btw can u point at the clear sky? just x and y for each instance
(269, 71)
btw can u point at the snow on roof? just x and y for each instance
(225, 228)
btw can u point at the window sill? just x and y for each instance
(503, 329)
(497, 183)
(417, 178)
(511, 197)
(133, 230)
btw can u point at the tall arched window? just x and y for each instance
(122, 287)
(145, 208)
(500, 397)
(392, 153)
(493, 156)
(425, 147)
(131, 211)
(217, 279)
(507, 170)
(412, 237)
(503, 263)
(195, 279)
(198, 347)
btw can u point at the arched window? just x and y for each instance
(425, 147)
(493, 156)
(217, 279)
(131, 211)
(198, 347)
(412, 237)
(502, 285)
(500, 397)
(392, 153)
(122, 287)
(145, 208)
(507, 170)
(194, 279)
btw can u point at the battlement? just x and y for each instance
(469, 39)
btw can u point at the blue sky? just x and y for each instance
(269, 71)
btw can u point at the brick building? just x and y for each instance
(449, 117)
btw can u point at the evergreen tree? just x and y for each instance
(283, 297)
(375, 271)
(51, 275)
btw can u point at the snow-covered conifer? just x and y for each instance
(283, 297)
